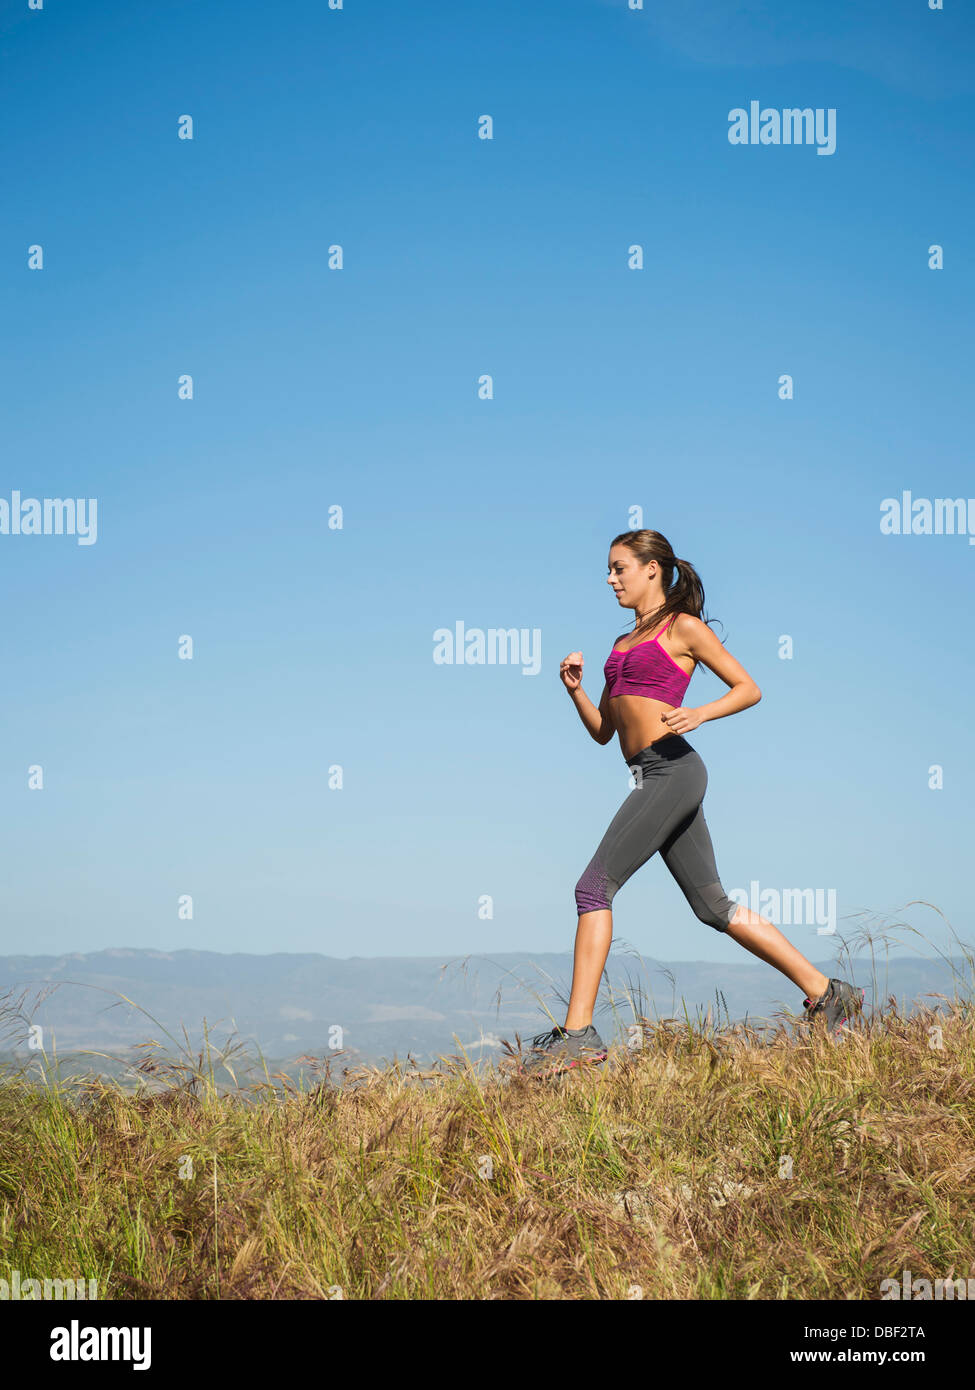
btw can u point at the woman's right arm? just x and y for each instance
(599, 722)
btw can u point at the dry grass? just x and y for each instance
(662, 1176)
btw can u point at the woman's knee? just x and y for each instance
(712, 906)
(594, 892)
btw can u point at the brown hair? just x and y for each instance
(685, 594)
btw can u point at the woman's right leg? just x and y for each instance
(594, 936)
(669, 789)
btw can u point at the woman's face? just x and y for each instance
(627, 577)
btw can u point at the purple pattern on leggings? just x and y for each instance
(591, 895)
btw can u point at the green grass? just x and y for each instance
(662, 1177)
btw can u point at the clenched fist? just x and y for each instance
(571, 670)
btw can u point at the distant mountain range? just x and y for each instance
(377, 1009)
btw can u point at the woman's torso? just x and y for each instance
(638, 717)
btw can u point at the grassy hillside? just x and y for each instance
(705, 1163)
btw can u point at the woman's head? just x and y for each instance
(648, 577)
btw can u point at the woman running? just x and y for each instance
(647, 674)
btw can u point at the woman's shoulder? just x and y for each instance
(686, 625)
(692, 636)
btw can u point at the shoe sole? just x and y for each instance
(539, 1075)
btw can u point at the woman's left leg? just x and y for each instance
(689, 855)
(764, 940)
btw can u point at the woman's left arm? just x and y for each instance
(702, 644)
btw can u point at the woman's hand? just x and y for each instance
(682, 721)
(571, 670)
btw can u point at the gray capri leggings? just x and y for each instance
(664, 813)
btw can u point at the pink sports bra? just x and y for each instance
(646, 670)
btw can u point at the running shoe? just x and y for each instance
(837, 1006)
(561, 1049)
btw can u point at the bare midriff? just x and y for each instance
(638, 719)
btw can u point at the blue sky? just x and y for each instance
(613, 389)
